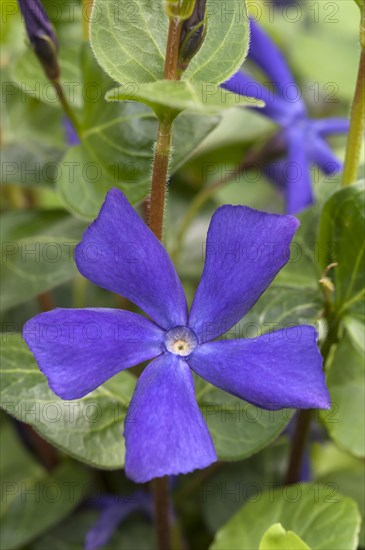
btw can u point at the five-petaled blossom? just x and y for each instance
(301, 136)
(79, 349)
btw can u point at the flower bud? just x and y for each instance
(192, 35)
(180, 9)
(41, 36)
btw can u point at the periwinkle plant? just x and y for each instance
(245, 250)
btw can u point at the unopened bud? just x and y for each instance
(192, 35)
(180, 9)
(41, 36)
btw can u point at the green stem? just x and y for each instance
(67, 107)
(357, 119)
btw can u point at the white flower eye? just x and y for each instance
(181, 341)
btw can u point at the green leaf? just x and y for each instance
(320, 519)
(117, 147)
(90, 429)
(33, 139)
(356, 330)
(37, 253)
(281, 306)
(13, 32)
(32, 499)
(276, 538)
(129, 40)
(346, 383)
(341, 241)
(238, 428)
(168, 96)
(235, 483)
(350, 483)
(342, 472)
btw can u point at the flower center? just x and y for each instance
(181, 341)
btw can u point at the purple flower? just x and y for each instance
(302, 137)
(114, 510)
(41, 36)
(79, 349)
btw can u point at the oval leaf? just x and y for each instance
(346, 383)
(129, 40)
(37, 253)
(323, 520)
(238, 428)
(169, 96)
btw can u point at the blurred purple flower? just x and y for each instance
(71, 136)
(114, 510)
(302, 137)
(79, 349)
(41, 36)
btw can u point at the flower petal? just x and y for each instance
(298, 189)
(245, 250)
(323, 155)
(244, 84)
(277, 370)
(164, 430)
(265, 53)
(79, 349)
(120, 253)
(326, 126)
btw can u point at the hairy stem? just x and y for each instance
(357, 125)
(172, 50)
(159, 178)
(164, 138)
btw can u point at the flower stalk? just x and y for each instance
(164, 137)
(69, 112)
(159, 178)
(357, 118)
(45, 46)
(156, 220)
